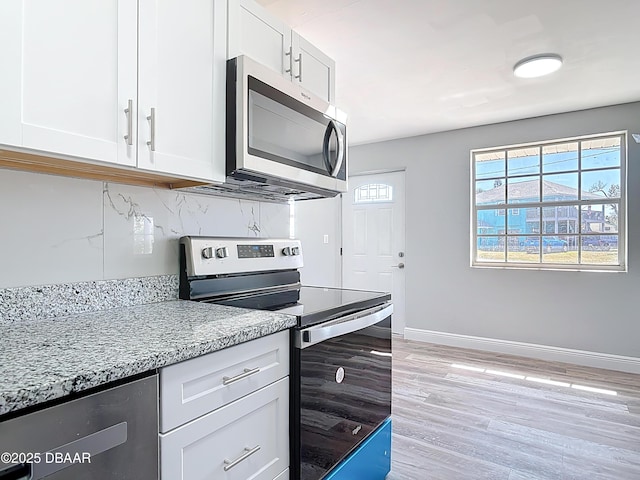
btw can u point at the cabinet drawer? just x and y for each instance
(283, 476)
(195, 387)
(257, 423)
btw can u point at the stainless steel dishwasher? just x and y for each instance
(111, 434)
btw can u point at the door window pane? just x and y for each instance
(374, 192)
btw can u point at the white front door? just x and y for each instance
(373, 238)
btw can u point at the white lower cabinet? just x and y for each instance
(198, 386)
(283, 476)
(246, 439)
(217, 423)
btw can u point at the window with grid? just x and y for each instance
(374, 192)
(556, 204)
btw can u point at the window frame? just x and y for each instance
(503, 237)
(378, 188)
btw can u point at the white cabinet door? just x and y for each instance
(312, 69)
(254, 32)
(182, 59)
(11, 77)
(248, 438)
(68, 71)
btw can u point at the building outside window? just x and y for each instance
(557, 204)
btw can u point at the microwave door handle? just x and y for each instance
(333, 169)
(325, 146)
(341, 148)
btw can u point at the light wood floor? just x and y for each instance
(455, 424)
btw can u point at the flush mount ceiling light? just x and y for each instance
(537, 66)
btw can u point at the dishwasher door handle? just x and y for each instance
(80, 450)
(17, 472)
(341, 326)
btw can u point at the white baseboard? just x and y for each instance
(542, 352)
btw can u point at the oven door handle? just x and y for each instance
(341, 326)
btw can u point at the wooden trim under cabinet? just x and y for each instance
(70, 168)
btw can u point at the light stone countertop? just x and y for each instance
(45, 359)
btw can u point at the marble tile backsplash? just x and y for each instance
(58, 230)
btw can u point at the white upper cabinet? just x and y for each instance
(255, 32)
(314, 70)
(81, 77)
(139, 84)
(68, 71)
(181, 103)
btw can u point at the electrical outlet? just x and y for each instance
(325, 239)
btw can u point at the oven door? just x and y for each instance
(280, 130)
(341, 390)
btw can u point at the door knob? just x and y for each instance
(400, 266)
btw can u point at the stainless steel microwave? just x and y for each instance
(282, 141)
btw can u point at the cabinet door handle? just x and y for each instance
(229, 464)
(247, 372)
(152, 121)
(290, 55)
(129, 112)
(299, 61)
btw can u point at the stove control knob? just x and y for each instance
(290, 251)
(207, 252)
(222, 252)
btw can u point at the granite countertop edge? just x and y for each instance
(216, 327)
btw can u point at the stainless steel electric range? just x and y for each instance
(340, 380)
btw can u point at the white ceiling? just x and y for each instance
(409, 67)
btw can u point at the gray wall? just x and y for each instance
(578, 310)
(313, 220)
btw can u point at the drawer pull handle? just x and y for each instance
(228, 464)
(247, 372)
